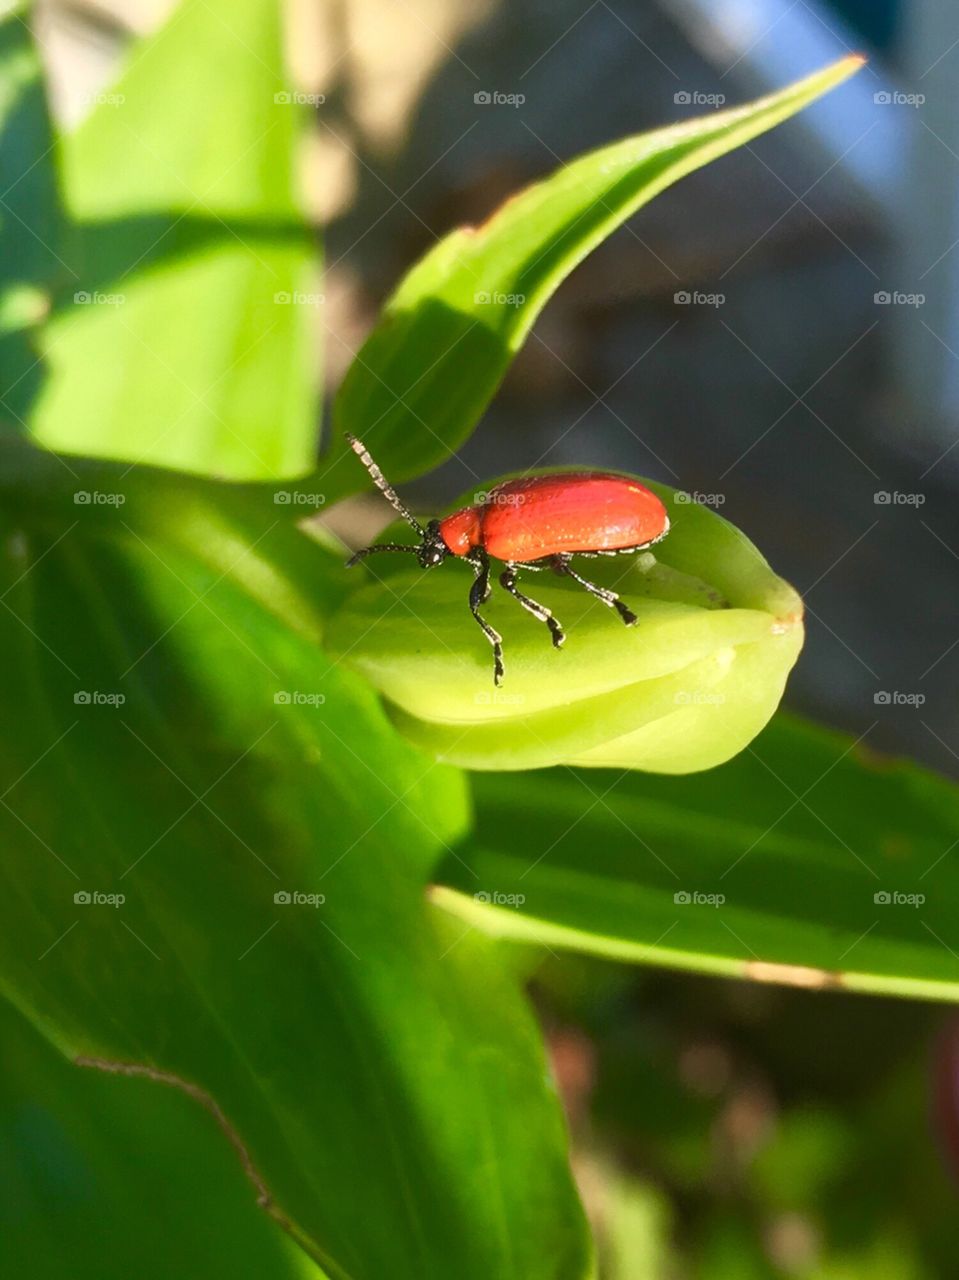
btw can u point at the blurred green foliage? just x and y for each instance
(734, 1130)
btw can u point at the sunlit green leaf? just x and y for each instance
(805, 860)
(184, 740)
(187, 332)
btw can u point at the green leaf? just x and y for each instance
(449, 332)
(687, 688)
(833, 868)
(31, 219)
(78, 1198)
(368, 1060)
(172, 343)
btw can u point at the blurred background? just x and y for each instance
(779, 336)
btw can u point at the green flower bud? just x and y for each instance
(685, 689)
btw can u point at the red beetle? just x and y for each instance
(536, 522)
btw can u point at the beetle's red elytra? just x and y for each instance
(578, 512)
(535, 522)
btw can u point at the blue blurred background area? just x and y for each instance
(877, 21)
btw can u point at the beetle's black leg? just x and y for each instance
(507, 581)
(561, 565)
(479, 592)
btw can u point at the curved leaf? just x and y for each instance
(806, 860)
(189, 262)
(449, 332)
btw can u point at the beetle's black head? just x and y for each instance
(432, 550)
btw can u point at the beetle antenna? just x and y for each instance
(381, 482)
(382, 546)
